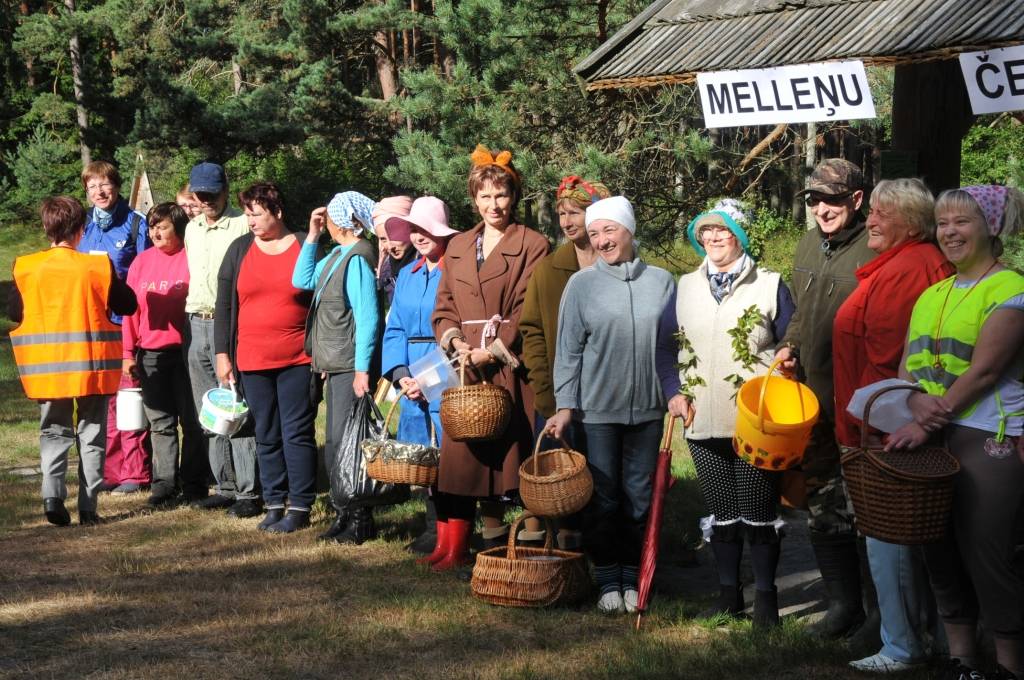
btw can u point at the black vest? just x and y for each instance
(330, 326)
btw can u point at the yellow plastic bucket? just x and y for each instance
(773, 421)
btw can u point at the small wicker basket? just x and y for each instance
(475, 412)
(902, 497)
(514, 576)
(390, 461)
(555, 483)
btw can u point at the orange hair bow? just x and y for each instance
(482, 156)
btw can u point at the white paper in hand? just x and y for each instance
(890, 411)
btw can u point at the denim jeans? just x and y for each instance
(232, 460)
(283, 415)
(621, 459)
(903, 599)
(167, 398)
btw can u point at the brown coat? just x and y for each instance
(539, 322)
(464, 294)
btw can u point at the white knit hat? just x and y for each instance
(616, 208)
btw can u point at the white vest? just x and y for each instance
(707, 323)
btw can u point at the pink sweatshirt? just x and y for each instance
(160, 282)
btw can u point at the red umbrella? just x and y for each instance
(652, 536)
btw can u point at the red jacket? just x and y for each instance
(870, 327)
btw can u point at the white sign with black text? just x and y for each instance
(786, 94)
(995, 79)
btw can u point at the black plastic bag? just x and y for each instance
(351, 487)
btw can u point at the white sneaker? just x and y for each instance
(880, 663)
(630, 598)
(611, 603)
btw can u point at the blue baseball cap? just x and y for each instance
(207, 178)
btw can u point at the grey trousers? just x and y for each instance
(167, 398)
(57, 433)
(232, 460)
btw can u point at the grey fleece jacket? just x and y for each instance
(607, 327)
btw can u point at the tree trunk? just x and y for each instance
(236, 76)
(29, 61)
(387, 71)
(76, 77)
(602, 20)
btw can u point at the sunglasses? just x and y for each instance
(828, 199)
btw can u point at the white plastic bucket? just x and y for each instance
(222, 411)
(434, 373)
(131, 416)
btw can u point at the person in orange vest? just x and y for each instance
(68, 352)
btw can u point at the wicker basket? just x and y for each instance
(514, 576)
(902, 497)
(475, 412)
(555, 483)
(388, 461)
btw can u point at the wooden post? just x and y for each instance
(930, 116)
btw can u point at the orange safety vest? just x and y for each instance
(66, 346)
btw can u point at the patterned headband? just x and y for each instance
(482, 156)
(991, 198)
(581, 191)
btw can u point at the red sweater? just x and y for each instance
(271, 312)
(870, 327)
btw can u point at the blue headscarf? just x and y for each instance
(348, 204)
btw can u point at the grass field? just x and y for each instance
(185, 593)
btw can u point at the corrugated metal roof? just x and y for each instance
(672, 40)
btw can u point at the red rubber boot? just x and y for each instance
(440, 548)
(457, 553)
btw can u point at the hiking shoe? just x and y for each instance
(247, 507)
(55, 512)
(162, 499)
(1002, 674)
(214, 502)
(954, 670)
(89, 518)
(611, 603)
(880, 663)
(126, 488)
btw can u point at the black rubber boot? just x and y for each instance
(337, 526)
(730, 601)
(425, 542)
(360, 529)
(840, 570)
(766, 608)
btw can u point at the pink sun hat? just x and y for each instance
(430, 214)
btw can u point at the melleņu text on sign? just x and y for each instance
(803, 93)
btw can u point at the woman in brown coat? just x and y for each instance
(479, 301)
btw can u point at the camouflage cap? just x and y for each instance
(834, 176)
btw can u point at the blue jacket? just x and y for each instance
(116, 239)
(411, 309)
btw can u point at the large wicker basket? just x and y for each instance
(475, 412)
(514, 576)
(555, 483)
(396, 462)
(902, 497)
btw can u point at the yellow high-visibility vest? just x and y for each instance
(936, 362)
